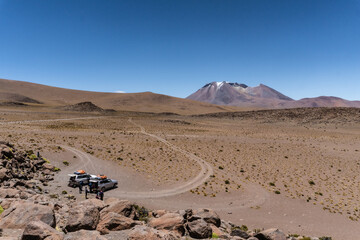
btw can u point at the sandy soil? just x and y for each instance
(299, 177)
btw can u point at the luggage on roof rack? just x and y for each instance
(101, 176)
(79, 172)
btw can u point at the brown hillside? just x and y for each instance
(143, 102)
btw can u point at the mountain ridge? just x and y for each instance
(48, 96)
(241, 95)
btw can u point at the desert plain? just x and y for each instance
(293, 169)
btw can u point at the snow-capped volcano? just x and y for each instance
(241, 95)
(235, 94)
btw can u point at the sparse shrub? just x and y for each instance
(227, 182)
(257, 230)
(56, 169)
(33, 157)
(1, 209)
(214, 235)
(64, 192)
(272, 184)
(244, 228)
(294, 235)
(277, 192)
(325, 238)
(311, 182)
(143, 213)
(66, 163)
(53, 196)
(305, 238)
(70, 197)
(221, 167)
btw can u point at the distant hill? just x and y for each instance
(262, 96)
(25, 92)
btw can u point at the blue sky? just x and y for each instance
(302, 48)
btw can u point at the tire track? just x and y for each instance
(46, 120)
(205, 172)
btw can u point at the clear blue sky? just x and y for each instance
(302, 48)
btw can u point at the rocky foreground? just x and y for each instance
(28, 213)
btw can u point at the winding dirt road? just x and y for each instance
(46, 120)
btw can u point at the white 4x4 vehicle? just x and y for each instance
(75, 179)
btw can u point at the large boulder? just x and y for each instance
(122, 207)
(238, 232)
(199, 229)
(20, 213)
(37, 230)
(169, 221)
(271, 234)
(84, 234)
(142, 232)
(84, 215)
(208, 215)
(114, 222)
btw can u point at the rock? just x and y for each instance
(37, 230)
(117, 235)
(159, 213)
(3, 174)
(218, 232)
(6, 151)
(20, 213)
(169, 221)
(84, 215)
(6, 203)
(11, 234)
(48, 166)
(271, 234)
(238, 232)
(9, 192)
(122, 207)
(95, 202)
(114, 222)
(144, 232)
(252, 238)
(84, 234)
(199, 229)
(209, 216)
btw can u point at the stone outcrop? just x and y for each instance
(20, 213)
(199, 229)
(84, 234)
(41, 231)
(84, 215)
(114, 222)
(169, 221)
(271, 234)
(19, 168)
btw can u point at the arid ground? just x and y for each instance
(297, 170)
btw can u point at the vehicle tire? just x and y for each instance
(103, 189)
(115, 185)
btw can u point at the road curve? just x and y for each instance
(88, 162)
(205, 172)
